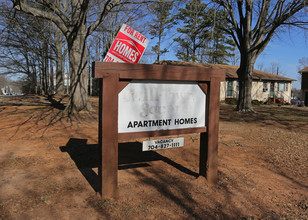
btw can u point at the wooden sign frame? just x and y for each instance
(115, 77)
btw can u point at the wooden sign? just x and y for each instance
(205, 82)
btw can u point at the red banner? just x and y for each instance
(127, 47)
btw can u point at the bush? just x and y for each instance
(231, 101)
(256, 102)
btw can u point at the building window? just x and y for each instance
(265, 88)
(229, 88)
(237, 86)
(282, 87)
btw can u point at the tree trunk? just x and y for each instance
(245, 83)
(159, 42)
(51, 76)
(78, 71)
(59, 63)
(89, 71)
(59, 76)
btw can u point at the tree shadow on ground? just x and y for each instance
(44, 112)
(56, 103)
(291, 117)
(130, 155)
(34, 100)
(42, 117)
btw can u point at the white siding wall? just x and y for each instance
(286, 95)
(223, 90)
(257, 91)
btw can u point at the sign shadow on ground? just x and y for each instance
(130, 155)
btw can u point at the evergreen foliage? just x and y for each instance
(194, 31)
(201, 38)
(222, 46)
(162, 21)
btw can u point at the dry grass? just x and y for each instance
(48, 168)
(281, 134)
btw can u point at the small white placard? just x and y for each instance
(162, 144)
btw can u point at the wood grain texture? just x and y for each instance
(156, 72)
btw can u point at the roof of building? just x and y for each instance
(304, 70)
(231, 70)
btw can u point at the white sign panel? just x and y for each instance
(162, 144)
(161, 105)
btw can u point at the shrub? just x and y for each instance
(256, 102)
(231, 101)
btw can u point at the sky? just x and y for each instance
(286, 52)
(283, 51)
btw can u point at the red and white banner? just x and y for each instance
(128, 46)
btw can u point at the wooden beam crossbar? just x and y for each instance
(128, 71)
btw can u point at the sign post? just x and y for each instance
(141, 90)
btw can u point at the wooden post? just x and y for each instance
(108, 170)
(209, 140)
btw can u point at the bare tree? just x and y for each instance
(100, 41)
(254, 23)
(3, 83)
(275, 68)
(296, 93)
(76, 24)
(303, 62)
(260, 66)
(26, 49)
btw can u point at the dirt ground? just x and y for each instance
(48, 168)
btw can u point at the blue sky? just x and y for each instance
(286, 52)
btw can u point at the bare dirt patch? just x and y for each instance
(48, 168)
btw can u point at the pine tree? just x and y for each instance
(161, 22)
(202, 37)
(194, 31)
(222, 46)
